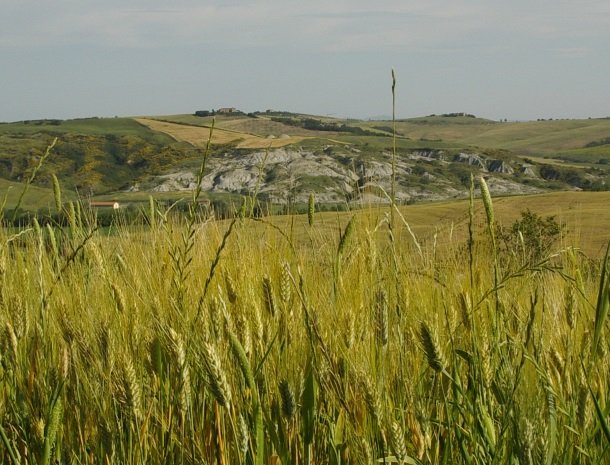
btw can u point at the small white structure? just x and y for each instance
(102, 204)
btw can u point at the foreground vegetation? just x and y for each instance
(331, 340)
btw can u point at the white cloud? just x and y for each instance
(451, 51)
(354, 25)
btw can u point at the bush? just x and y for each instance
(533, 234)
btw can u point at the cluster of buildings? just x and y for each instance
(220, 111)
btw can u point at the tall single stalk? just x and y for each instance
(491, 225)
(471, 234)
(31, 178)
(603, 303)
(181, 254)
(393, 181)
(201, 173)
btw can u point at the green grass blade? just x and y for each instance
(552, 431)
(259, 435)
(9, 448)
(601, 309)
(308, 410)
(600, 416)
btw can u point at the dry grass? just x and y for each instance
(585, 216)
(199, 135)
(264, 127)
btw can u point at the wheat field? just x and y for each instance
(191, 340)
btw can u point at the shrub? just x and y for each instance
(532, 235)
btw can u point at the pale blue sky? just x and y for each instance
(499, 59)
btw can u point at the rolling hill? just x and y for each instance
(287, 156)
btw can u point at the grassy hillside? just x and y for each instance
(337, 159)
(84, 126)
(560, 138)
(532, 137)
(35, 198)
(92, 155)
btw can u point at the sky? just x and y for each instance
(517, 59)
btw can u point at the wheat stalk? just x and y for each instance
(57, 193)
(285, 284)
(215, 375)
(288, 399)
(132, 394)
(311, 209)
(381, 318)
(397, 441)
(431, 347)
(185, 385)
(268, 297)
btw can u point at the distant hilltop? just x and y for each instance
(454, 115)
(220, 111)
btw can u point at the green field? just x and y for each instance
(540, 137)
(34, 199)
(85, 126)
(560, 140)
